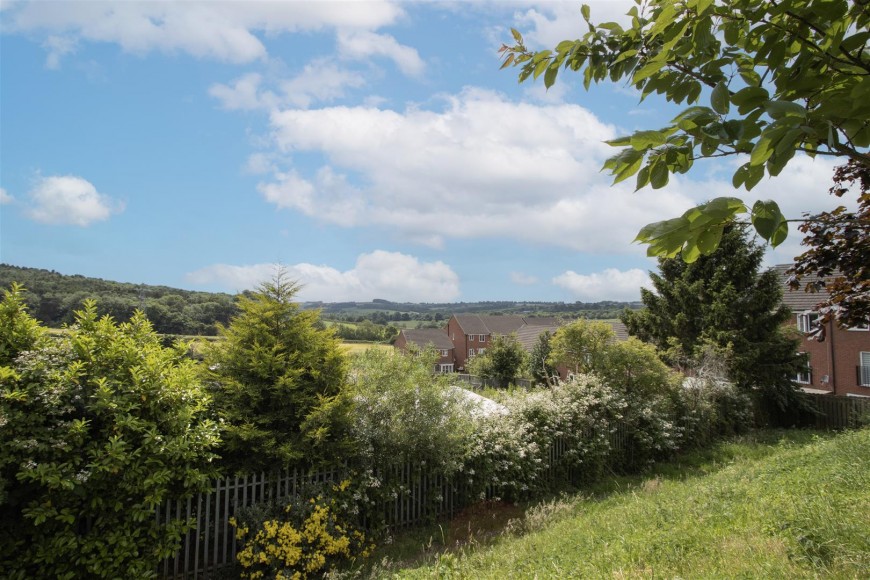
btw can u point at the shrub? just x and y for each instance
(511, 451)
(98, 428)
(309, 534)
(399, 412)
(272, 370)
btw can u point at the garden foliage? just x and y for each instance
(97, 428)
(306, 536)
(273, 369)
(503, 361)
(723, 303)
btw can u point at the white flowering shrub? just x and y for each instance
(399, 412)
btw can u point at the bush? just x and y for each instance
(399, 412)
(98, 428)
(309, 534)
(273, 369)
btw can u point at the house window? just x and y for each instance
(481, 350)
(470, 352)
(807, 321)
(443, 352)
(805, 375)
(865, 326)
(864, 369)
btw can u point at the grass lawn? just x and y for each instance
(356, 347)
(775, 504)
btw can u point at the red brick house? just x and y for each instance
(840, 365)
(472, 333)
(424, 337)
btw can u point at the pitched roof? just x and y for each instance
(619, 330)
(799, 300)
(528, 335)
(423, 337)
(505, 324)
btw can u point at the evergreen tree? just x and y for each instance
(273, 370)
(724, 303)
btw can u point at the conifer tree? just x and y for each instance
(723, 302)
(274, 369)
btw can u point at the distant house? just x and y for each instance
(425, 337)
(841, 364)
(472, 333)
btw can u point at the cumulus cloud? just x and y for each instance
(224, 31)
(5, 197)
(611, 284)
(480, 166)
(362, 44)
(379, 274)
(319, 81)
(69, 200)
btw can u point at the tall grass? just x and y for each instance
(775, 505)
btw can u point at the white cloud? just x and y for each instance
(480, 167)
(243, 94)
(69, 200)
(611, 284)
(319, 81)
(223, 31)
(5, 197)
(523, 279)
(380, 274)
(362, 44)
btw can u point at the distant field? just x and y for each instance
(356, 347)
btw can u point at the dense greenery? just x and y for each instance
(503, 361)
(780, 76)
(722, 303)
(98, 428)
(53, 299)
(103, 424)
(273, 369)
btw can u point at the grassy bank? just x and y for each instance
(773, 505)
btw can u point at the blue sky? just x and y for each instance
(373, 149)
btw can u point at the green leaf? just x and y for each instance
(627, 168)
(584, 10)
(550, 75)
(648, 70)
(779, 109)
(620, 141)
(517, 36)
(719, 99)
(642, 178)
(643, 140)
(761, 152)
(749, 98)
(766, 218)
(709, 239)
(659, 175)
